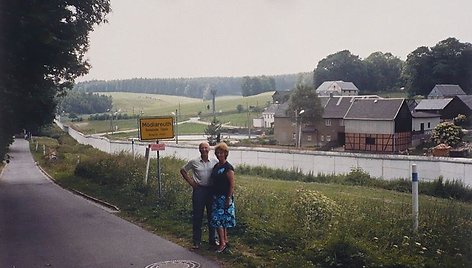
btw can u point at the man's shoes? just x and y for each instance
(196, 246)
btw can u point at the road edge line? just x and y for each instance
(84, 195)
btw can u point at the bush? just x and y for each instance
(313, 212)
(447, 133)
(358, 176)
(114, 170)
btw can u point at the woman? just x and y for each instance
(223, 211)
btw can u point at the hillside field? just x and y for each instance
(166, 105)
(163, 105)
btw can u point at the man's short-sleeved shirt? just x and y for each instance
(201, 170)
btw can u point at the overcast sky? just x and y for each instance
(202, 38)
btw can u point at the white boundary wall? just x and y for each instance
(384, 166)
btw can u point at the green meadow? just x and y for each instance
(148, 105)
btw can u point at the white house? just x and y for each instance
(424, 122)
(337, 88)
(268, 115)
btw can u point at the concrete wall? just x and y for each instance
(384, 166)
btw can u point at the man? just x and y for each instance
(200, 168)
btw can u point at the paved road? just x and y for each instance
(43, 225)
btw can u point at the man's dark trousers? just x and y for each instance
(201, 199)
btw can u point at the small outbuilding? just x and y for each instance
(378, 125)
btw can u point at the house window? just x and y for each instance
(322, 138)
(370, 140)
(328, 122)
(308, 138)
(328, 138)
(429, 125)
(293, 136)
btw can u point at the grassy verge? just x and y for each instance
(281, 223)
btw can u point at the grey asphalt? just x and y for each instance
(43, 225)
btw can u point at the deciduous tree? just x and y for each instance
(304, 98)
(448, 62)
(42, 51)
(341, 66)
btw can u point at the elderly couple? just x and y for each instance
(212, 181)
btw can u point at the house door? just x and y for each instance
(422, 127)
(341, 138)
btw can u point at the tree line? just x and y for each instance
(84, 103)
(188, 87)
(448, 62)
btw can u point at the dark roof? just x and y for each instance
(272, 108)
(324, 100)
(449, 90)
(466, 99)
(336, 107)
(374, 109)
(281, 110)
(424, 115)
(432, 104)
(411, 104)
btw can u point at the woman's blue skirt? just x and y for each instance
(220, 215)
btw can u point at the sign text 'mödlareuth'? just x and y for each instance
(156, 128)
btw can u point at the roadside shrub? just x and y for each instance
(112, 170)
(358, 176)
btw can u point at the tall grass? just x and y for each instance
(294, 222)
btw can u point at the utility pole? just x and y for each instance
(213, 94)
(248, 121)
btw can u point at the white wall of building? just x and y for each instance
(369, 127)
(429, 123)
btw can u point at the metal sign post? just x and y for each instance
(155, 128)
(158, 147)
(158, 173)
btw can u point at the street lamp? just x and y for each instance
(111, 120)
(299, 127)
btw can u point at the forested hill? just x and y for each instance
(188, 87)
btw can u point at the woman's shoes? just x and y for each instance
(221, 250)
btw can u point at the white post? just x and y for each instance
(177, 125)
(414, 193)
(148, 157)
